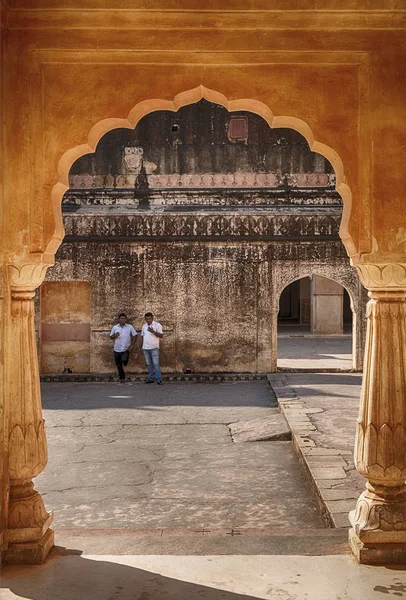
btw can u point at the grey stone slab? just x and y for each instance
(325, 461)
(314, 352)
(67, 475)
(242, 541)
(173, 512)
(174, 435)
(340, 494)
(135, 460)
(331, 402)
(341, 519)
(273, 427)
(340, 506)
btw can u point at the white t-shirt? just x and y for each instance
(150, 340)
(123, 342)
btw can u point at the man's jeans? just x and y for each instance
(152, 360)
(121, 358)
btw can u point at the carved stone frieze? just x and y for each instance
(199, 180)
(188, 197)
(202, 225)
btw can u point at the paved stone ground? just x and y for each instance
(151, 458)
(322, 411)
(298, 350)
(110, 429)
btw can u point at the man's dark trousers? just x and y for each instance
(121, 358)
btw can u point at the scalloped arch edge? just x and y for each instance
(183, 99)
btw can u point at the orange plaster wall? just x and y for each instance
(346, 84)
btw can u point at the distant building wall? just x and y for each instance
(201, 219)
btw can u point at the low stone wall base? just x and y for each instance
(377, 554)
(31, 553)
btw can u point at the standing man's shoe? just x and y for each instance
(159, 382)
(149, 381)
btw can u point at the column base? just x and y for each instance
(375, 553)
(29, 553)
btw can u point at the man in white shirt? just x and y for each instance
(151, 334)
(124, 336)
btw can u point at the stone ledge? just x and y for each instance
(309, 370)
(167, 377)
(332, 481)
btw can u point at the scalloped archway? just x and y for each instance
(183, 99)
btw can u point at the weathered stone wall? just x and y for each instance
(199, 139)
(217, 301)
(181, 217)
(65, 327)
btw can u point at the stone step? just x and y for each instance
(266, 541)
(270, 428)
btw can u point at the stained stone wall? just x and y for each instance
(199, 147)
(204, 229)
(218, 301)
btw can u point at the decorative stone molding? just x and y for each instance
(380, 514)
(385, 276)
(233, 198)
(27, 514)
(204, 180)
(27, 536)
(28, 450)
(26, 277)
(238, 225)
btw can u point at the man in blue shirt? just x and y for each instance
(124, 336)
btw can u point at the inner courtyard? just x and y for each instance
(239, 171)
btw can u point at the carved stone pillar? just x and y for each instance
(378, 533)
(28, 538)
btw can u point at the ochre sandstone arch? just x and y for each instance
(183, 99)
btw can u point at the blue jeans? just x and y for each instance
(152, 360)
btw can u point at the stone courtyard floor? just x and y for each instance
(151, 457)
(297, 349)
(153, 499)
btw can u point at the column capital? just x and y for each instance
(26, 277)
(383, 276)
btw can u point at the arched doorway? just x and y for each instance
(316, 325)
(195, 207)
(214, 225)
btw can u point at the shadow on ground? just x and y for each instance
(73, 577)
(86, 396)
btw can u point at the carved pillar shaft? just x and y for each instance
(27, 537)
(379, 519)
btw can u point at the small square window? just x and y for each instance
(238, 129)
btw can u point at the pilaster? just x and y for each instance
(378, 533)
(27, 538)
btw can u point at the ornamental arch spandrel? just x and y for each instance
(342, 87)
(190, 97)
